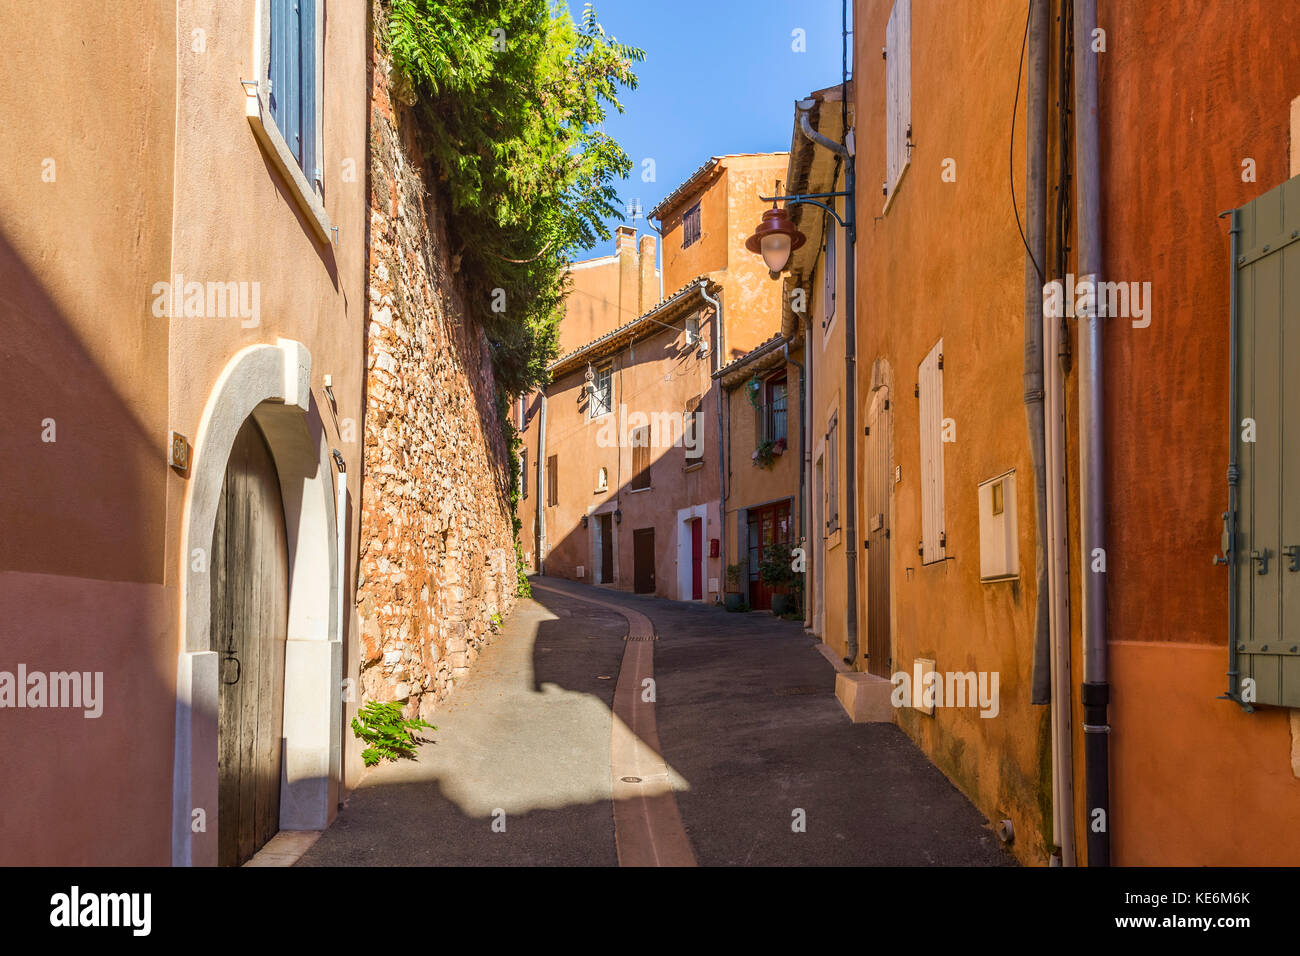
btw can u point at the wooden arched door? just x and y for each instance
(250, 583)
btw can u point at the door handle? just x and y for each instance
(238, 668)
(1262, 558)
(1293, 552)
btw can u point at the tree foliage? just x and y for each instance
(510, 96)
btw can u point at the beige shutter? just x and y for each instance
(898, 90)
(833, 474)
(693, 438)
(930, 382)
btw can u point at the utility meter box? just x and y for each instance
(999, 540)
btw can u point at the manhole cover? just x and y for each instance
(631, 779)
(799, 691)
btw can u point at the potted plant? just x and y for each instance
(768, 452)
(735, 599)
(776, 570)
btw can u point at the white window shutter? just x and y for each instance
(898, 90)
(930, 383)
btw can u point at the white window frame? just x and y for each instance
(310, 195)
(592, 414)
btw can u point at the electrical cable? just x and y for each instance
(1011, 153)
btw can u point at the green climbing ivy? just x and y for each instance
(510, 96)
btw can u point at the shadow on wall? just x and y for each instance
(82, 551)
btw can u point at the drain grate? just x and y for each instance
(647, 637)
(800, 691)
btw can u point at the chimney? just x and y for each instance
(648, 281)
(625, 239)
(629, 300)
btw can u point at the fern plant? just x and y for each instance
(387, 733)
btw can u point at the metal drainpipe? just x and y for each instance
(541, 487)
(1092, 452)
(722, 448)
(1036, 228)
(1229, 556)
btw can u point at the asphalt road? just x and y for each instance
(519, 770)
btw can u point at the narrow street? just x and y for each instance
(749, 728)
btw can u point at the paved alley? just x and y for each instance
(519, 770)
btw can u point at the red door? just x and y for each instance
(697, 559)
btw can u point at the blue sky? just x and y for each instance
(720, 76)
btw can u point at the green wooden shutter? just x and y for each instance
(1267, 550)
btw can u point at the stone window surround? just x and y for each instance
(309, 196)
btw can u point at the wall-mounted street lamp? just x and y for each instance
(775, 238)
(618, 516)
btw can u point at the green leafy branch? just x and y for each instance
(388, 735)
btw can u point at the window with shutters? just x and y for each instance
(828, 268)
(930, 392)
(523, 473)
(640, 458)
(602, 393)
(552, 481)
(292, 75)
(774, 411)
(691, 226)
(693, 431)
(692, 329)
(898, 94)
(833, 474)
(283, 101)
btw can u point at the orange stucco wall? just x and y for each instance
(729, 211)
(1193, 780)
(943, 261)
(609, 291)
(156, 173)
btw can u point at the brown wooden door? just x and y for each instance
(879, 480)
(643, 560)
(249, 624)
(606, 549)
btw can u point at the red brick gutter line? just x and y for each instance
(648, 829)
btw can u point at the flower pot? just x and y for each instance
(780, 604)
(733, 600)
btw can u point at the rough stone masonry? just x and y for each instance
(436, 553)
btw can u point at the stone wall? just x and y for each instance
(436, 550)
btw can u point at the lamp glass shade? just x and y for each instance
(776, 250)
